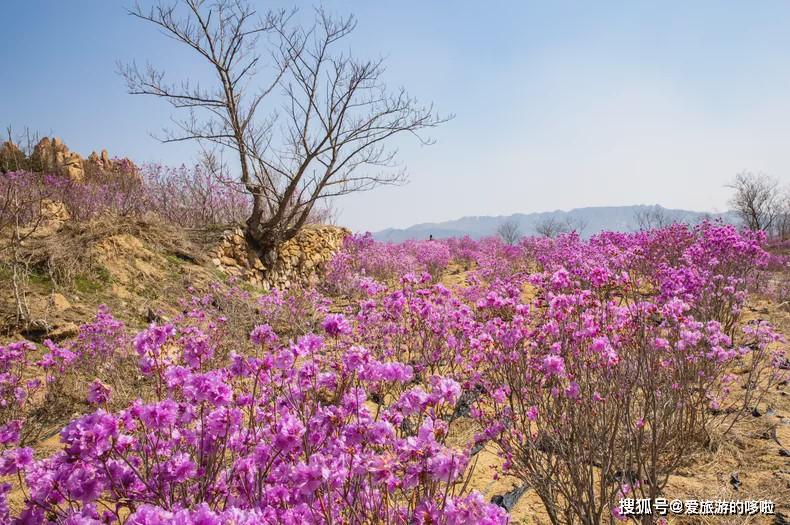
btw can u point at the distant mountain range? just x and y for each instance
(587, 221)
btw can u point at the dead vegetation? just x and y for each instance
(132, 264)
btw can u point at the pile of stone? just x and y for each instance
(300, 260)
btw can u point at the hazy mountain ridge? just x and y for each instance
(595, 219)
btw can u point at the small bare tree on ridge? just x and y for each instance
(756, 200)
(550, 227)
(575, 224)
(509, 232)
(652, 217)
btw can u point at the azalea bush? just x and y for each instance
(363, 258)
(120, 193)
(591, 367)
(623, 363)
(283, 434)
(97, 358)
(192, 197)
(15, 389)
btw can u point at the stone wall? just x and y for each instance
(300, 259)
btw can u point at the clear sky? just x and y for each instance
(558, 104)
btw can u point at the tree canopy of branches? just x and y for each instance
(551, 226)
(757, 200)
(316, 126)
(652, 217)
(509, 232)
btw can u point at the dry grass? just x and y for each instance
(70, 251)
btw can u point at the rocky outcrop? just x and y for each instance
(300, 259)
(11, 157)
(54, 213)
(52, 155)
(101, 161)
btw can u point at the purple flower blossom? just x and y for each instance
(336, 325)
(553, 365)
(263, 334)
(98, 393)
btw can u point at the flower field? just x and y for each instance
(591, 368)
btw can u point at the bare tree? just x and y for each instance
(575, 224)
(21, 213)
(328, 135)
(326, 213)
(652, 217)
(22, 198)
(509, 231)
(704, 217)
(551, 227)
(15, 152)
(783, 218)
(757, 200)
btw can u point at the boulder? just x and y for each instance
(54, 213)
(52, 155)
(11, 157)
(59, 302)
(63, 331)
(100, 161)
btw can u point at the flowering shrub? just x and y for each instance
(15, 389)
(21, 197)
(597, 386)
(775, 281)
(119, 192)
(296, 311)
(283, 435)
(194, 196)
(622, 362)
(191, 197)
(363, 258)
(627, 352)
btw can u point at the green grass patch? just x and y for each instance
(103, 274)
(247, 287)
(41, 279)
(35, 278)
(85, 284)
(174, 259)
(94, 282)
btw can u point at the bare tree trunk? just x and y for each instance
(20, 211)
(19, 284)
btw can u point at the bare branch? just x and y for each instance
(757, 200)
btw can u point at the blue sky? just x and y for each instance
(558, 104)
